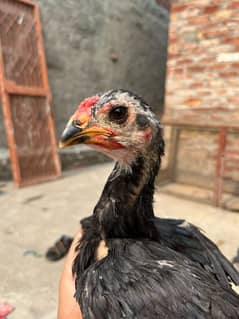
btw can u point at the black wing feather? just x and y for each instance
(146, 280)
(191, 242)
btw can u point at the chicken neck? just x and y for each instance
(125, 208)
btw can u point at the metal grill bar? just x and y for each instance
(19, 39)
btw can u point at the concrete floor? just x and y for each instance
(33, 218)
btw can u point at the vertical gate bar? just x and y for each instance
(41, 50)
(220, 168)
(8, 123)
(47, 87)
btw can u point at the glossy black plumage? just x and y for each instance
(141, 279)
(208, 295)
(176, 234)
(155, 268)
(191, 242)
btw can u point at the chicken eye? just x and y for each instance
(118, 114)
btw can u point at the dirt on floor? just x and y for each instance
(33, 218)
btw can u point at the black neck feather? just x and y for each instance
(125, 208)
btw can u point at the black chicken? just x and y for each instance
(152, 267)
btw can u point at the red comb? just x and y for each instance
(88, 103)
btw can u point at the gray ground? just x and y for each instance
(33, 218)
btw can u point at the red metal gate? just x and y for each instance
(26, 95)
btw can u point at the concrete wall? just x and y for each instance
(93, 46)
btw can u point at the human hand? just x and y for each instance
(68, 308)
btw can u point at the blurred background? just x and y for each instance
(91, 46)
(182, 58)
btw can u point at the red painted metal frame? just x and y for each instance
(222, 139)
(12, 88)
(8, 122)
(8, 87)
(46, 84)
